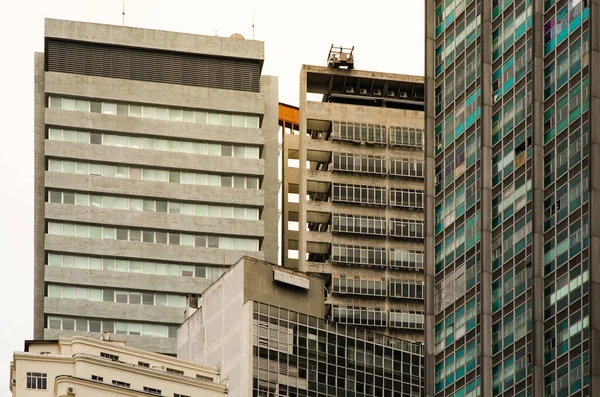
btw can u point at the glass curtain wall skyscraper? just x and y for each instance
(512, 250)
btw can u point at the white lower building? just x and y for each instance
(81, 366)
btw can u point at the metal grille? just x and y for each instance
(150, 65)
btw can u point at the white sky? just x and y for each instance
(388, 36)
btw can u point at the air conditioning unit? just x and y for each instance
(363, 91)
(391, 94)
(377, 92)
(402, 95)
(349, 89)
(71, 391)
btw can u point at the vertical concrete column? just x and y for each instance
(538, 199)
(302, 174)
(429, 198)
(486, 198)
(39, 132)
(285, 143)
(594, 211)
(270, 186)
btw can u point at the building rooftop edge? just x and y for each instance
(362, 73)
(153, 39)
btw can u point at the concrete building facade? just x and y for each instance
(155, 170)
(264, 326)
(512, 221)
(81, 366)
(353, 195)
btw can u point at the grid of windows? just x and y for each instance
(299, 355)
(359, 286)
(151, 205)
(357, 132)
(116, 296)
(407, 168)
(359, 194)
(134, 266)
(358, 255)
(152, 174)
(406, 136)
(348, 223)
(120, 327)
(363, 316)
(153, 112)
(151, 236)
(152, 143)
(359, 163)
(567, 28)
(407, 198)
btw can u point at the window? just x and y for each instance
(405, 136)
(356, 132)
(357, 163)
(180, 395)
(407, 168)
(147, 111)
(204, 378)
(407, 228)
(360, 194)
(109, 356)
(37, 381)
(360, 316)
(358, 255)
(407, 258)
(406, 198)
(407, 319)
(360, 286)
(407, 289)
(97, 378)
(121, 384)
(152, 390)
(174, 371)
(347, 223)
(143, 364)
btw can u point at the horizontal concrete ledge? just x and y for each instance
(155, 159)
(154, 39)
(364, 114)
(160, 94)
(117, 311)
(154, 220)
(149, 343)
(150, 127)
(156, 190)
(128, 281)
(141, 251)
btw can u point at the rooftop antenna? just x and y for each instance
(123, 12)
(253, 24)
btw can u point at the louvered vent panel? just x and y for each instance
(156, 66)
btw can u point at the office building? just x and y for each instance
(81, 366)
(512, 163)
(353, 194)
(155, 170)
(264, 326)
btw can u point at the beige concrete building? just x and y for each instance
(81, 366)
(265, 327)
(353, 196)
(155, 170)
